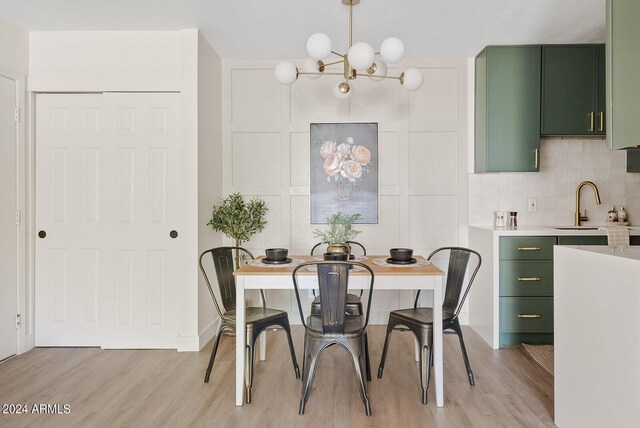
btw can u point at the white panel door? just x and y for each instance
(8, 231)
(107, 185)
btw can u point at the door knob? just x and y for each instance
(173, 234)
(42, 234)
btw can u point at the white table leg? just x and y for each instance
(437, 340)
(241, 330)
(263, 346)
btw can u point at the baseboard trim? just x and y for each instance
(188, 343)
(208, 332)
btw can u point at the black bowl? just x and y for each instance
(401, 254)
(336, 256)
(276, 254)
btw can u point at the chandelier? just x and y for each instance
(360, 60)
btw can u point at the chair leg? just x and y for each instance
(357, 354)
(367, 359)
(248, 370)
(385, 348)
(425, 357)
(213, 355)
(458, 330)
(308, 372)
(287, 329)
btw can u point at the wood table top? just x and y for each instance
(410, 270)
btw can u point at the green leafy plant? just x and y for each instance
(339, 229)
(239, 219)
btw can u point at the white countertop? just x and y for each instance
(550, 231)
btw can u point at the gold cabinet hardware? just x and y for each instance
(529, 316)
(528, 279)
(591, 119)
(601, 114)
(529, 248)
(535, 159)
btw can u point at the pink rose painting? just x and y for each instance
(344, 170)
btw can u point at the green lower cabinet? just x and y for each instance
(526, 319)
(526, 278)
(582, 240)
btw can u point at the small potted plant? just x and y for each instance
(339, 230)
(239, 219)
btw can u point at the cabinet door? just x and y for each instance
(569, 90)
(601, 99)
(508, 109)
(633, 160)
(623, 69)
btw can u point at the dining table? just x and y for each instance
(423, 275)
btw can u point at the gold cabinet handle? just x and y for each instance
(529, 248)
(591, 117)
(533, 278)
(535, 159)
(601, 114)
(529, 316)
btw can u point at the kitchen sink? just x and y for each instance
(576, 228)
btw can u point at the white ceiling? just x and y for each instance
(279, 28)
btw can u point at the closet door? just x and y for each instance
(107, 189)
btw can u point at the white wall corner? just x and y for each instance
(208, 332)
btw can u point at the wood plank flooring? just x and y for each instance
(165, 388)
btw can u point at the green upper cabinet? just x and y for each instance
(623, 71)
(633, 160)
(573, 90)
(507, 109)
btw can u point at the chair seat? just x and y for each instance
(353, 324)
(256, 314)
(352, 299)
(423, 316)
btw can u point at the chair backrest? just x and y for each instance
(350, 243)
(224, 262)
(333, 281)
(459, 260)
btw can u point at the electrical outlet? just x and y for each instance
(532, 205)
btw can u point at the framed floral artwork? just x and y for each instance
(344, 171)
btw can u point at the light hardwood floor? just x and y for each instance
(165, 388)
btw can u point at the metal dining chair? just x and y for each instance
(258, 319)
(420, 320)
(334, 326)
(354, 301)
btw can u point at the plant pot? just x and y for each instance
(339, 248)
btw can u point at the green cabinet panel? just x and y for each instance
(527, 247)
(507, 109)
(571, 96)
(633, 160)
(526, 278)
(622, 71)
(582, 240)
(526, 314)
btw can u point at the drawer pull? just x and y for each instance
(528, 279)
(529, 316)
(529, 248)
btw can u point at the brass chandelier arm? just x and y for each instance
(334, 63)
(338, 54)
(319, 73)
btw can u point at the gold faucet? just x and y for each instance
(578, 216)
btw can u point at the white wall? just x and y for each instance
(209, 170)
(75, 61)
(14, 50)
(422, 151)
(564, 163)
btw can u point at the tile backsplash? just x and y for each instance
(564, 163)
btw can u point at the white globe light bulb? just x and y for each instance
(392, 50)
(412, 79)
(311, 66)
(378, 68)
(318, 46)
(286, 73)
(361, 56)
(342, 91)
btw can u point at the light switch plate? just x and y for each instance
(532, 204)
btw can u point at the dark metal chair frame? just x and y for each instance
(420, 320)
(354, 301)
(333, 326)
(258, 318)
